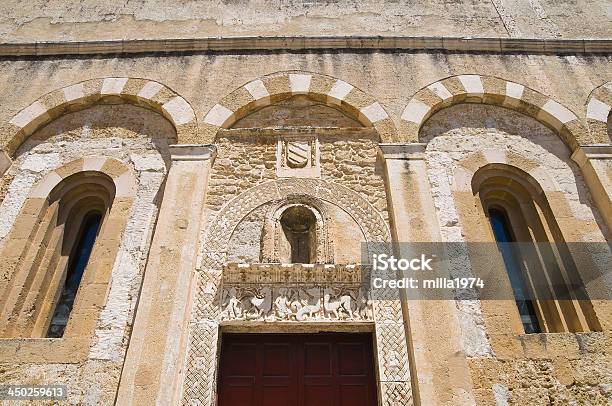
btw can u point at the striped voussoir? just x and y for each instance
(597, 112)
(494, 91)
(279, 86)
(120, 173)
(140, 92)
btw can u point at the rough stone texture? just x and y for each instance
(89, 19)
(134, 136)
(246, 160)
(557, 373)
(390, 78)
(360, 86)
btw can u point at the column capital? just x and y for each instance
(594, 151)
(413, 151)
(192, 152)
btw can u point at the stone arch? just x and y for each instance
(121, 175)
(495, 91)
(140, 92)
(598, 109)
(278, 86)
(373, 226)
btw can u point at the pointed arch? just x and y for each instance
(495, 91)
(598, 109)
(281, 85)
(140, 92)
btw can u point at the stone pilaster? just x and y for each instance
(156, 350)
(439, 370)
(595, 161)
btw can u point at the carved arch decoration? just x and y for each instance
(498, 92)
(369, 219)
(598, 109)
(201, 354)
(278, 86)
(140, 92)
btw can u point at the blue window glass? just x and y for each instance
(504, 237)
(76, 266)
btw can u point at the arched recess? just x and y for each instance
(140, 92)
(282, 85)
(63, 196)
(598, 110)
(499, 92)
(220, 231)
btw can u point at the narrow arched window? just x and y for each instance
(505, 237)
(298, 223)
(544, 279)
(76, 265)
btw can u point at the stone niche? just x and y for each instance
(262, 236)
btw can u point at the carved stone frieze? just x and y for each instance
(295, 303)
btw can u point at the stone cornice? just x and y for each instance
(260, 273)
(413, 151)
(597, 151)
(250, 43)
(192, 152)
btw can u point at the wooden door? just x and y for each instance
(297, 370)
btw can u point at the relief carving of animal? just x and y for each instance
(309, 306)
(261, 303)
(336, 303)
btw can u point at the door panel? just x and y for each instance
(297, 370)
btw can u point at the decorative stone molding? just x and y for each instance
(295, 303)
(585, 152)
(249, 295)
(140, 92)
(413, 151)
(495, 91)
(192, 152)
(598, 110)
(283, 43)
(235, 273)
(279, 86)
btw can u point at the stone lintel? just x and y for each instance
(412, 151)
(193, 152)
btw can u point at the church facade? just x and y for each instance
(190, 198)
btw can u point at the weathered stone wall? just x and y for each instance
(392, 78)
(506, 368)
(95, 20)
(348, 157)
(139, 138)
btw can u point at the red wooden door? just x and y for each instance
(297, 370)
